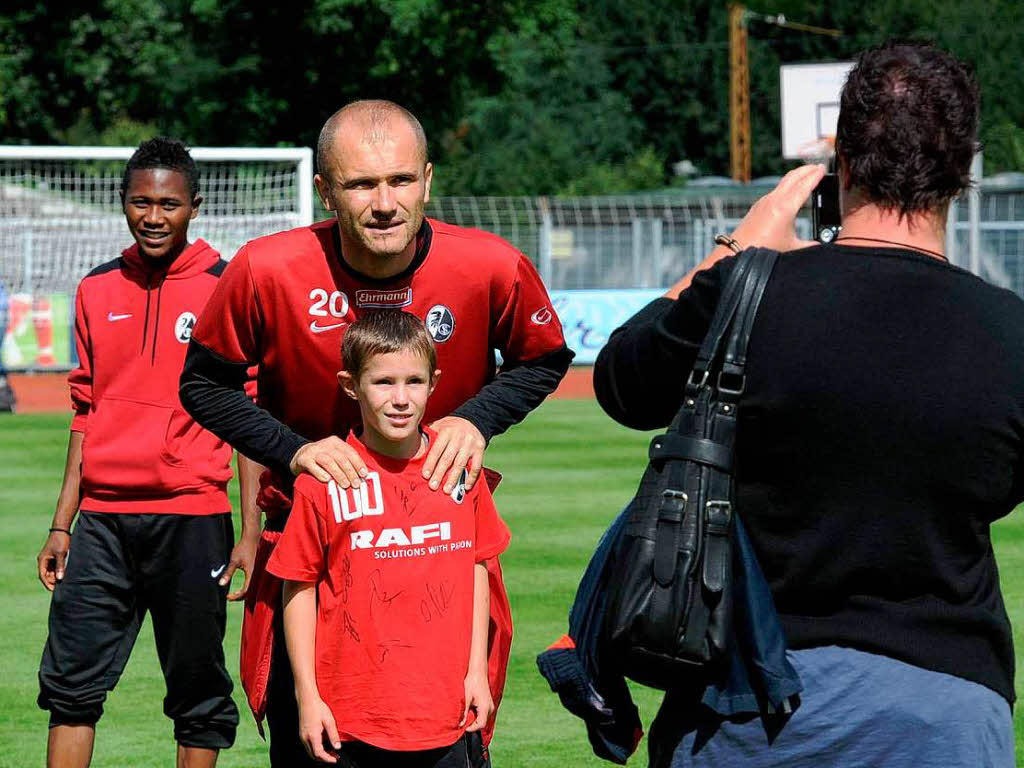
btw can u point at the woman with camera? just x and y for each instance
(881, 433)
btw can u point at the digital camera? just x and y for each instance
(826, 221)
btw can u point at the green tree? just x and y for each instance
(555, 117)
(517, 96)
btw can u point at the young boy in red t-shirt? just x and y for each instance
(386, 594)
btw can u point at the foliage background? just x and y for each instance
(517, 96)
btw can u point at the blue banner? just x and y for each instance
(589, 317)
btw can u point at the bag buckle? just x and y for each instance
(731, 384)
(666, 537)
(693, 385)
(718, 513)
(673, 505)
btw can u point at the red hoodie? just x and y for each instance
(142, 453)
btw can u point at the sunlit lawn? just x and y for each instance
(568, 470)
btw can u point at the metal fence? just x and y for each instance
(636, 241)
(50, 239)
(985, 232)
(648, 241)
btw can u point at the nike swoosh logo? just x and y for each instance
(114, 318)
(215, 573)
(321, 328)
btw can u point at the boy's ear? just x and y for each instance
(433, 381)
(348, 384)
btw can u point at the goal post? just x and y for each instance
(61, 216)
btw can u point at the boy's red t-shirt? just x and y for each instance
(394, 570)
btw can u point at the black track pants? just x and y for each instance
(119, 567)
(355, 754)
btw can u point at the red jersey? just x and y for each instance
(285, 300)
(284, 303)
(142, 453)
(393, 562)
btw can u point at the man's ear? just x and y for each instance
(428, 177)
(348, 384)
(433, 381)
(323, 188)
(196, 202)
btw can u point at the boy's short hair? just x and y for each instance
(162, 152)
(384, 332)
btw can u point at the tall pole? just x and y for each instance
(739, 82)
(739, 95)
(974, 215)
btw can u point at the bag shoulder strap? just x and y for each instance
(728, 303)
(734, 363)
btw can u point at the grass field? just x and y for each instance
(568, 470)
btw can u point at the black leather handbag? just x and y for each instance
(670, 604)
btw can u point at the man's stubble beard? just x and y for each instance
(393, 247)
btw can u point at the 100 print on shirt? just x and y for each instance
(353, 503)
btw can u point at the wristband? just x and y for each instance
(60, 530)
(728, 242)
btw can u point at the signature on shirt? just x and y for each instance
(348, 624)
(377, 591)
(346, 577)
(384, 648)
(437, 601)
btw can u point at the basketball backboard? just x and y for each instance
(810, 107)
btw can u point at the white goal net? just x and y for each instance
(60, 216)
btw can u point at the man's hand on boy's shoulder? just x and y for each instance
(459, 445)
(330, 458)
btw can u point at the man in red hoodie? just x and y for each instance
(154, 531)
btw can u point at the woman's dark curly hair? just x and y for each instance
(162, 152)
(908, 126)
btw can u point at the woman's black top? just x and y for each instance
(880, 433)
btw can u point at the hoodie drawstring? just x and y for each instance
(156, 321)
(196, 256)
(145, 323)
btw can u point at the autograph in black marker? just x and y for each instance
(439, 597)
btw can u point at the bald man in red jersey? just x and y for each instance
(284, 303)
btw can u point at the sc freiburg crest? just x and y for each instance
(183, 327)
(440, 323)
(459, 491)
